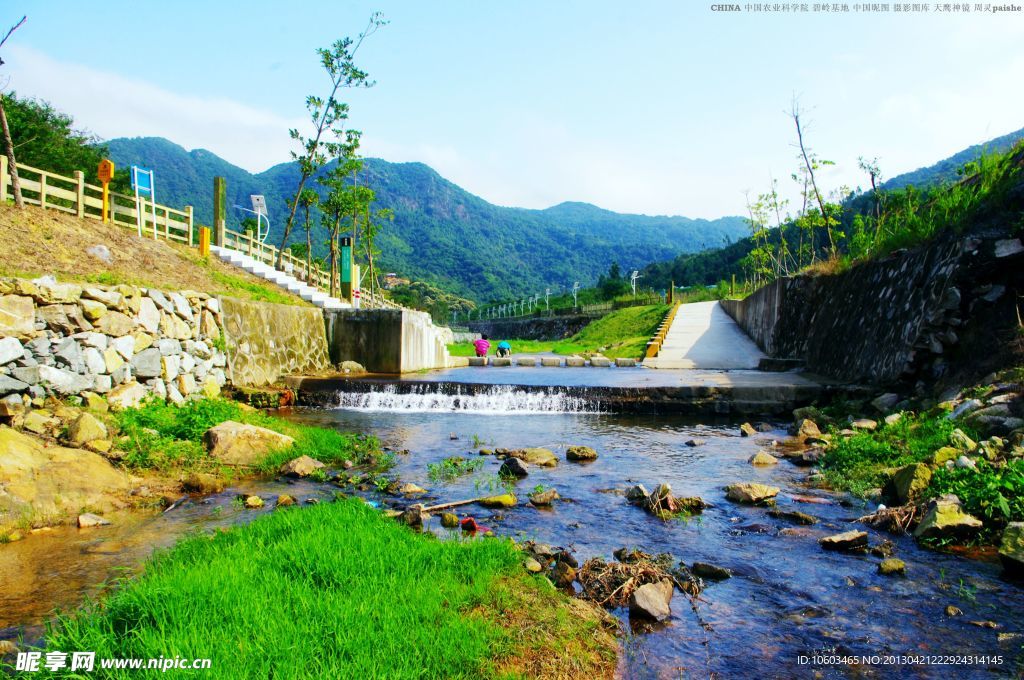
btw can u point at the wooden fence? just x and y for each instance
(655, 343)
(73, 195)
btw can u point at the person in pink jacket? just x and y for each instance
(481, 345)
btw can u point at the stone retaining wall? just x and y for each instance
(64, 339)
(897, 318)
(540, 328)
(266, 341)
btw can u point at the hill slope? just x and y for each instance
(712, 266)
(442, 233)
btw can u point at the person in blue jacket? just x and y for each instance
(504, 349)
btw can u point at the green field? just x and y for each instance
(622, 333)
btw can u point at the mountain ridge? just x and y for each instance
(443, 234)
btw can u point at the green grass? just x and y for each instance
(993, 494)
(164, 436)
(622, 333)
(336, 591)
(240, 287)
(453, 468)
(864, 460)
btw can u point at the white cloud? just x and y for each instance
(111, 106)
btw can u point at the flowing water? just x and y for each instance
(787, 598)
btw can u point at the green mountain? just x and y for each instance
(711, 266)
(443, 234)
(946, 169)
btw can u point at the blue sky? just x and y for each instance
(654, 107)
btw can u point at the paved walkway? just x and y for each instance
(704, 336)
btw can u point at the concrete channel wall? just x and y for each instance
(388, 341)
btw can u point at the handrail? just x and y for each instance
(655, 343)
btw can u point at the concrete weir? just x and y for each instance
(389, 341)
(694, 393)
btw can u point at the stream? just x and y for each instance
(787, 596)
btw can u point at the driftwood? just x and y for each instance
(454, 504)
(894, 520)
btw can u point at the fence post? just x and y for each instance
(42, 190)
(220, 207)
(189, 221)
(80, 193)
(204, 241)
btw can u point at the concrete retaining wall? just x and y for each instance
(387, 340)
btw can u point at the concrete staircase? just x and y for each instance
(286, 281)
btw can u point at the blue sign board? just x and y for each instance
(142, 181)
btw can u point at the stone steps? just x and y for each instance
(597, 362)
(286, 281)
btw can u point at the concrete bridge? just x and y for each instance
(703, 336)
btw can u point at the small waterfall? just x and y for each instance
(449, 397)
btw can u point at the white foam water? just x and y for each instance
(494, 399)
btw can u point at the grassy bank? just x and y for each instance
(622, 333)
(38, 242)
(337, 590)
(164, 437)
(993, 492)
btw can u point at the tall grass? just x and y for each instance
(164, 436)
(332, 591)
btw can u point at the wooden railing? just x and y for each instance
(73, 195)
(655, 343)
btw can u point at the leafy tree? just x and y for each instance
(308, 200)
(328, 115)
(613, 284)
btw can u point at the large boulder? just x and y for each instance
(49, 483)
(1011, 548)
(58, 380)
(240, 444)
(652, 600)
(505, 500)
(909, 483)
(751, 493)
(536, 456)
(946, 519)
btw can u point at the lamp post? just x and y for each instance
(575, 290)
(632, 279)
(547, 303)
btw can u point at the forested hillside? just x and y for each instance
(441, 233)
(911, 201)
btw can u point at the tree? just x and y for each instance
(614, 284)
(308, 199)
(343, 198)
(12, 162)
(328, 115)
(372, 223)
(811, 163)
